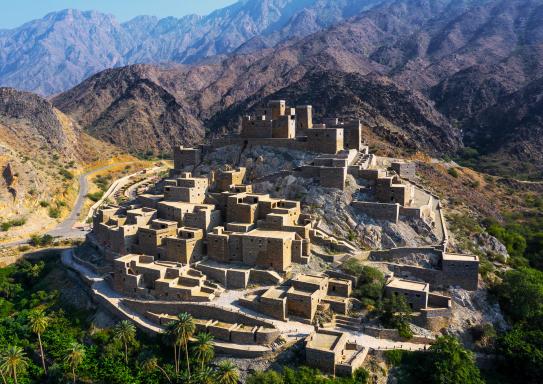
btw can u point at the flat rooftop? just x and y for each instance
(275, 293)
(311, 279)
(297, 292)
(408, 285)
(164, 221)
(458, 257)
(271, 234)
(324, 341)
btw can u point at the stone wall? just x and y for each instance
(379, 211)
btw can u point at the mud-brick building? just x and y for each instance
(143, 277)
(461, 270)
(415, 292)
(262, 248)
(302, 297)
(186, 157)
(332, 353)
(185, 248)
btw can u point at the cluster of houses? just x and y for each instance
(198, 235)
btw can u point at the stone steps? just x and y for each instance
(347, 322)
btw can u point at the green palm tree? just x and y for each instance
(74, 357)
(151, 363)
(38, 324)
(13, 360)
(183, 330)
(125, 332)
(203, 349)
(205, 375)
(171, 338)
(227, 373)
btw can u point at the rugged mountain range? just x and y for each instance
(62, 49)
(434, 70)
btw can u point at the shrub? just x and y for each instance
(453, 172)
(95, 196)
(54, 213)
(66, 174)
(41, 240)
(521, 294)
(7, 225)
(394, 356)
(352, 267)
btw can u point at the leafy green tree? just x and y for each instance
(361, 376)
(268, 377)
(227, 373)
(395, 312)
(446, 362)
(74, 357)
(203, 349)
(125, 332)
(39, 322)
(12, 361)
(452, 363)
(513, 241)
(370, 281)
(521, 352)
(534, 250)
(521, 294)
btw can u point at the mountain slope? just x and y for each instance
(132, 109)
(40, 150)
(57, 52)
(398, 116)
(512, 129)
(464, 56)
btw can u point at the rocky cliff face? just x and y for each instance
(62, 49)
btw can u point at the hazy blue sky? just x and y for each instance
(16, 12)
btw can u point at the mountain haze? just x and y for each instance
(56, 52)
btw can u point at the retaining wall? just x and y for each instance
(393, 334)
(379, 211)
(200, 311)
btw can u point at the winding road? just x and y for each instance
(67, 228)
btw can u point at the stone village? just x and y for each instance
(203, 241)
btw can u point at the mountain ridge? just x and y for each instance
(430, 50)
(52, 54)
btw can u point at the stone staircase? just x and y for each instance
(347, 322)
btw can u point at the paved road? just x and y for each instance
(66, 229)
